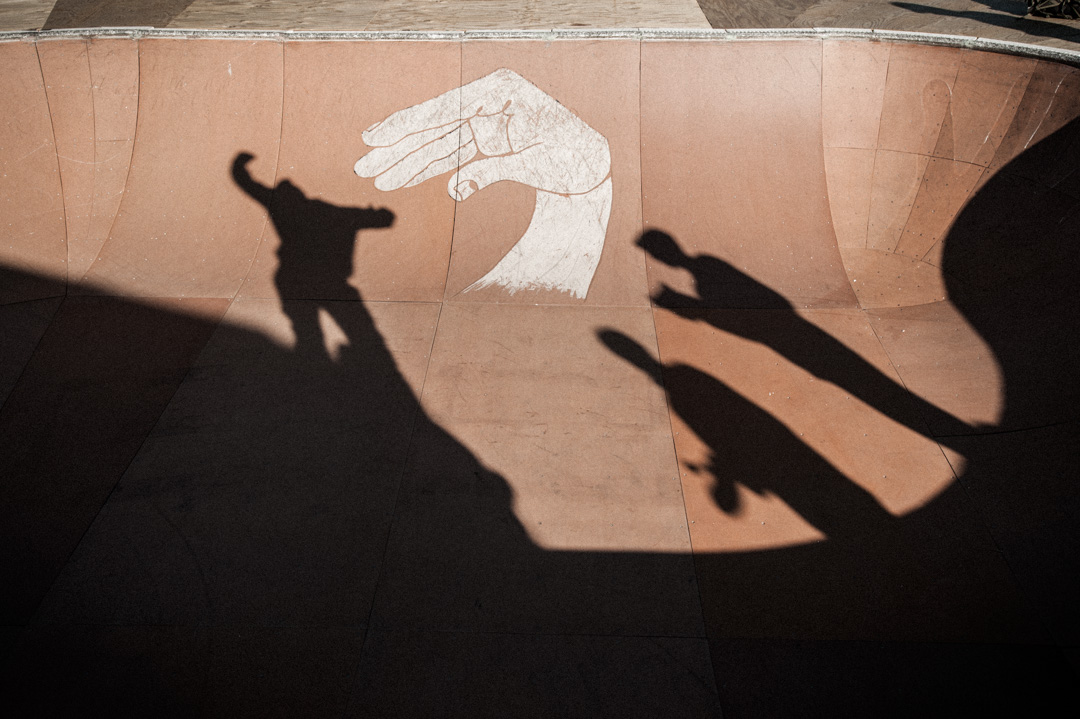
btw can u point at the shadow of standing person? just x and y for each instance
(720, 286)
(430, 531)
(315, 256)
(736, 431)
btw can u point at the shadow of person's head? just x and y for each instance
(288, 195)
(718, 283)
(663, 247)
(632, 352)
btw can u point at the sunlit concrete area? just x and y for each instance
(569, 373)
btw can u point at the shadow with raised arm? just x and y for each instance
(315, 257)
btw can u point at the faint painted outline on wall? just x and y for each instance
(523, 135)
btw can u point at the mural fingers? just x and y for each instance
(416, 162)
(381, 159)
(446, 164)
(436, 112)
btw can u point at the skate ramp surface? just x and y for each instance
(619, 374)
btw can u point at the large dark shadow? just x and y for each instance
(113, 13)
(1016, 19)
(201, 518)
(1011, 14)
(942, 623)
(735, 14)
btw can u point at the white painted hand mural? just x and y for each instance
(524, 135)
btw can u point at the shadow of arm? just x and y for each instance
(261, 193)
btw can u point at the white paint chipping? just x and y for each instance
(523, 135)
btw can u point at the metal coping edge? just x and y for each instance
(1070, 57)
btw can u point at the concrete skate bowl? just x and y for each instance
(805, 444)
